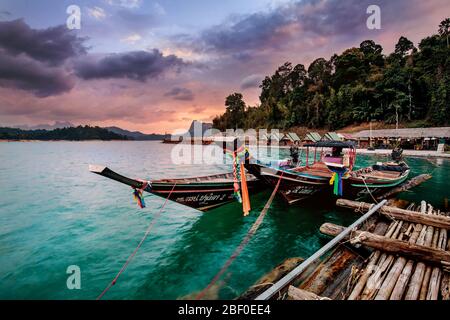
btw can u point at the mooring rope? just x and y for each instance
(241, 246)
(147, 232)
(368, 190)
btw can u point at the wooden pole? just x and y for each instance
(405, 186)
(401, 214)
(415, 251)
(436, 274)
(427, 275)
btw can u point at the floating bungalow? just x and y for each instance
(270, 138)
(409, 138)
(332, 136)
(290, 139)
(311, 137)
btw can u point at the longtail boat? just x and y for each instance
(329, 175)
(202, 193)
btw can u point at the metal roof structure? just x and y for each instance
(313, 136)
(294, 136)
(291, 136)
(271, 136)
(412, 133)
(331, 136)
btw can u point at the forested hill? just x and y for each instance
(361, 84)
(72, 133)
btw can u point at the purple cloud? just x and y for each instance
(136, 65)
(52, 45)
(303, 21)
(27, 74)
(179, 93)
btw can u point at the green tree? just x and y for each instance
(444, 29)
(360, 84)
(235, 108)
(404, 47)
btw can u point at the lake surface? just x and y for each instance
(55, 213)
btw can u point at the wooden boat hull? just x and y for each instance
(201, 193)
(298, 186)
(358, 188)
(200, 197)
(294, 187)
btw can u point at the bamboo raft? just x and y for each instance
(396, 254)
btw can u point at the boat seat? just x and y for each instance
(383, 174)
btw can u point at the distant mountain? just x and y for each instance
(135, 135)
(130, 135)
(56, 125)
(73, 134)
(198, 128)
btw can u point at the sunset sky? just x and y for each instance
(154, 66)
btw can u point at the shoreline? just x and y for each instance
(63, 140)
(406, 153)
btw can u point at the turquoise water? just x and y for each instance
(55, 213)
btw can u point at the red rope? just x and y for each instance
(241, 246)
(137, 248)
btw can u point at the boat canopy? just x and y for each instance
(332, 144)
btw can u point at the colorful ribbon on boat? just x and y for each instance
(139, 198)
(336, 181)
(236, 171)
(245, 197)
(240, 182)
(138, 195)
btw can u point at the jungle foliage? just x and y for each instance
(361, 84)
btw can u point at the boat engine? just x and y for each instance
(396, 154)
(294, 154)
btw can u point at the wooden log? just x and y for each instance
(436, 274)
(370, 267)
(413, 292)
(406, 274)
(434, 283)
(428, 269)
(271, 277)
(401, 214)
(326, 273)
(411, 183)
(445, 286)
(386, 290)
(375, 281)
(402, 282)
(394, 246)
(300, 294)
(372, 281)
